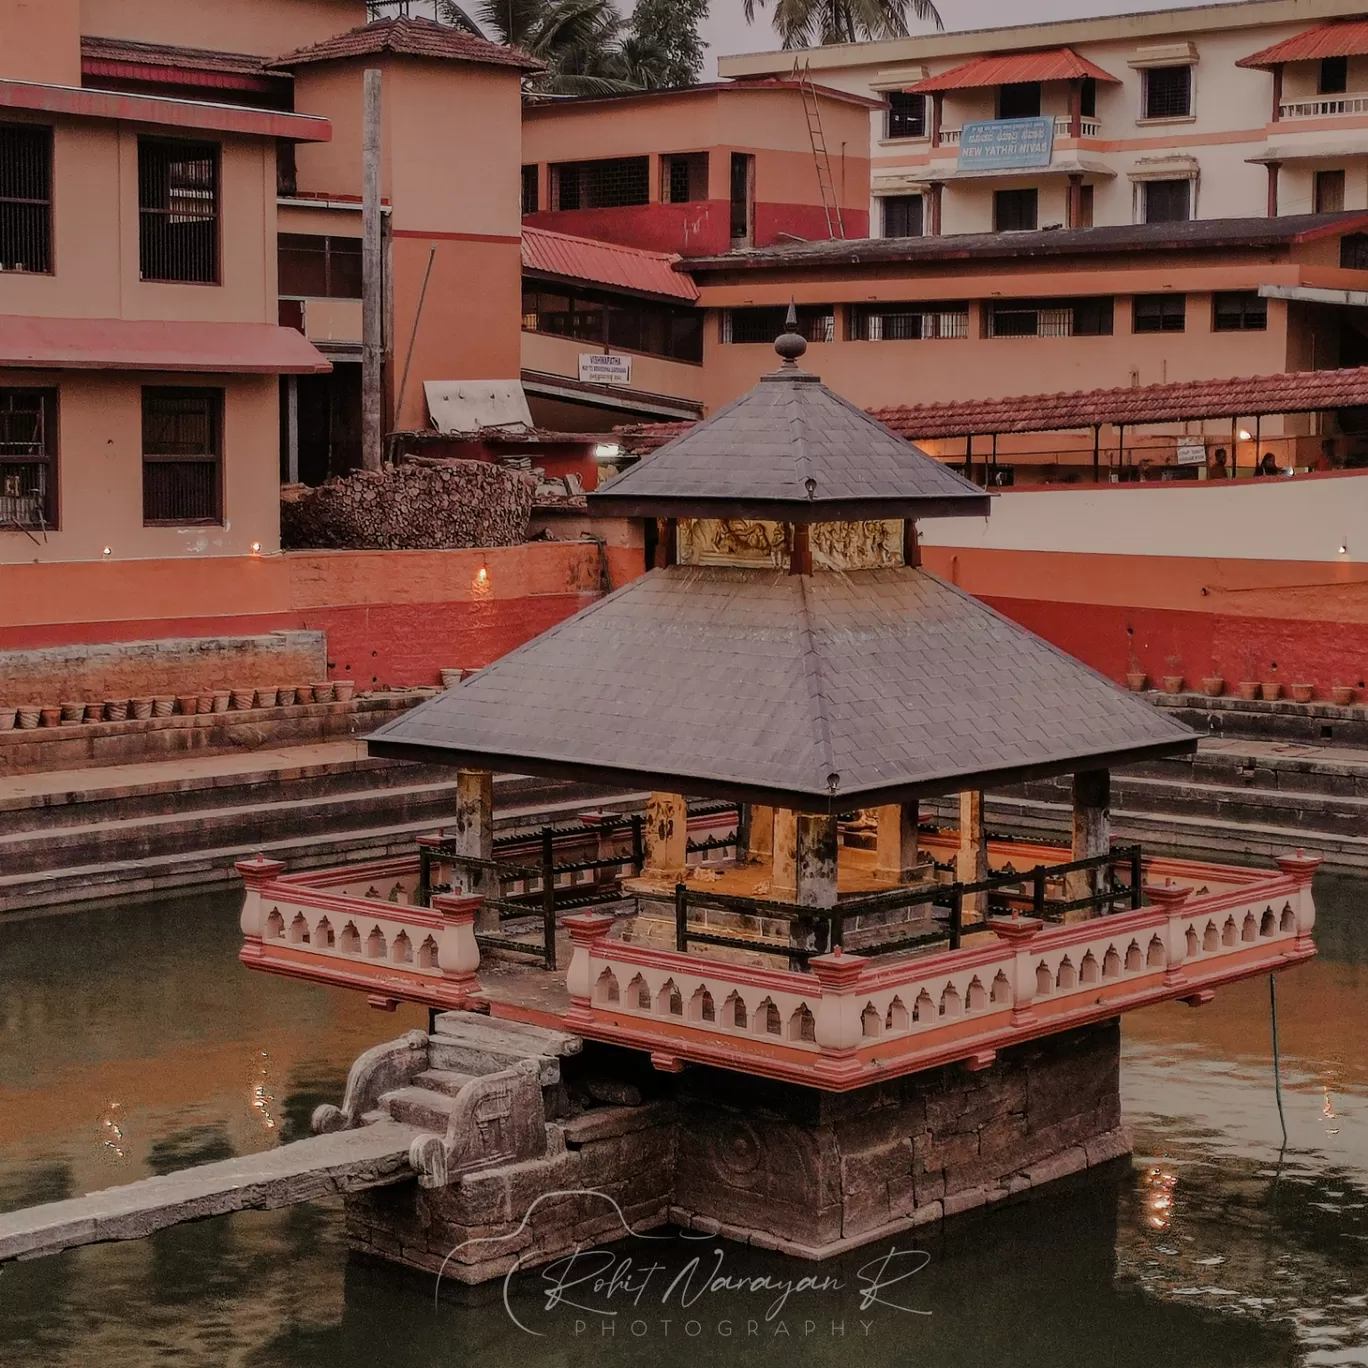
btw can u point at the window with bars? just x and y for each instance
(25, 198)
(684, 177)
(609, 184)
(1159, 313)
(1089, 317)
(182, 456)
(313, 266)
(1354, 252)
(1168, 92)
(816, 322)
(531, 189)
(178, 211)
(902, 216)
(1238, 311)
(638, 325)
(908, 322)
(28, 459)
(906, 116)
(1015, 211)
(1167, 201)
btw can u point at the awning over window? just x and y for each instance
(153, 345)
(1330, 40)
(1056, 64)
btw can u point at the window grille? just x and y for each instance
(816, 322)
(313, 266)
(531, 189)
(1015, 211)
(1354, 252)
(1159, 313)
(1239, 311)
(28, 459)
(25, 198)
(908, 322)
(1168, 201)
(609, 184)
(684, 177)
(182, 456)
(906, 115)
(1050, 317)
(178, 202)
(902, 216)
(1168, 92)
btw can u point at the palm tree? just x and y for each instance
(807, 23)
(581, 41)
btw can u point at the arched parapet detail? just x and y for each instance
(274, 926)
(702, 1007)
(768, 1019)
(735, 1013)
(1111, 963)
(639, 997)
(1135, 960)
(1089, 971)
(897, 1018)
(1002, 990)
(607, 993)
(349, 942)
(1044, 980)
(802, 1028)
(401, 952)
(324, 937)
(871, 1023)
(376, 947)
(975, 996)
(670, 1001)
(428, 954)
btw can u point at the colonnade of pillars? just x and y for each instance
(800, 847)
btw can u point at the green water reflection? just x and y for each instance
(131, 1042)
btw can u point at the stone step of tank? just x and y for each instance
(478, 1026)
(422, 1107)
(443, 1081)
(206, 861)
(465, 1042)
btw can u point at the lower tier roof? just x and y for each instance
(819, 692)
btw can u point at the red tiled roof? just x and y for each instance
(156, 345)
(1189, 400)
(410, 38)
(604, 263)
(702, 88)
(1348, 39)
(159, 64)
(1056, 64)
(163, 54)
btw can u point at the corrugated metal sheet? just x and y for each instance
(1245, 397)
(154, 345)
(604, 263)
(1330, 40)
(1055, 64)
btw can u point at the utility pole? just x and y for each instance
(372, 282)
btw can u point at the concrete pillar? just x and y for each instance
(1091, 832)
(474, 837)
(760, 837)
(666, 836)
(896, 851)
(971, 861)
(784, 855)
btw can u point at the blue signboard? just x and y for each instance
(1000, 144)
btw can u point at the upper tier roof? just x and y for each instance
(820, 692)
(1008, 68)
(790, 450)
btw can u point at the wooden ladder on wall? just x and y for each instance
(821, 157)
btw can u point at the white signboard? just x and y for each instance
(605, 369)
(1192, 453)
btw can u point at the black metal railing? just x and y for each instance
(816, 930)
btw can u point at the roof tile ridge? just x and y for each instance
(812, 670)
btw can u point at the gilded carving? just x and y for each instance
(874, 545)
(727, 541)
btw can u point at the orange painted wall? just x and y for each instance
(40, 40)
(456, 193)
(266, 27)
(95, 236)
(99, 479)
(391, 617)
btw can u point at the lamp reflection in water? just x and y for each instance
(1159, 1187)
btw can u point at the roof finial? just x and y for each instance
(791, 344)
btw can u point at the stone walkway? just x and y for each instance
(321, 1166)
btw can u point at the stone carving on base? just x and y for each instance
(380, 1069)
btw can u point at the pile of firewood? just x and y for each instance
(420, 504)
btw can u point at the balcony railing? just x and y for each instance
(1323, 106)
(1063, 128)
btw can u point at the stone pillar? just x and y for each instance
(971, 861)
(666, 837)
(760, 837)
(1301, 869)
(588, 932)
(256, 874)
(1091, 833)
(474, 837)
(816, 863)
(896, 851)
(784, 856)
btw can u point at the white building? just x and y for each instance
(1225, 111)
